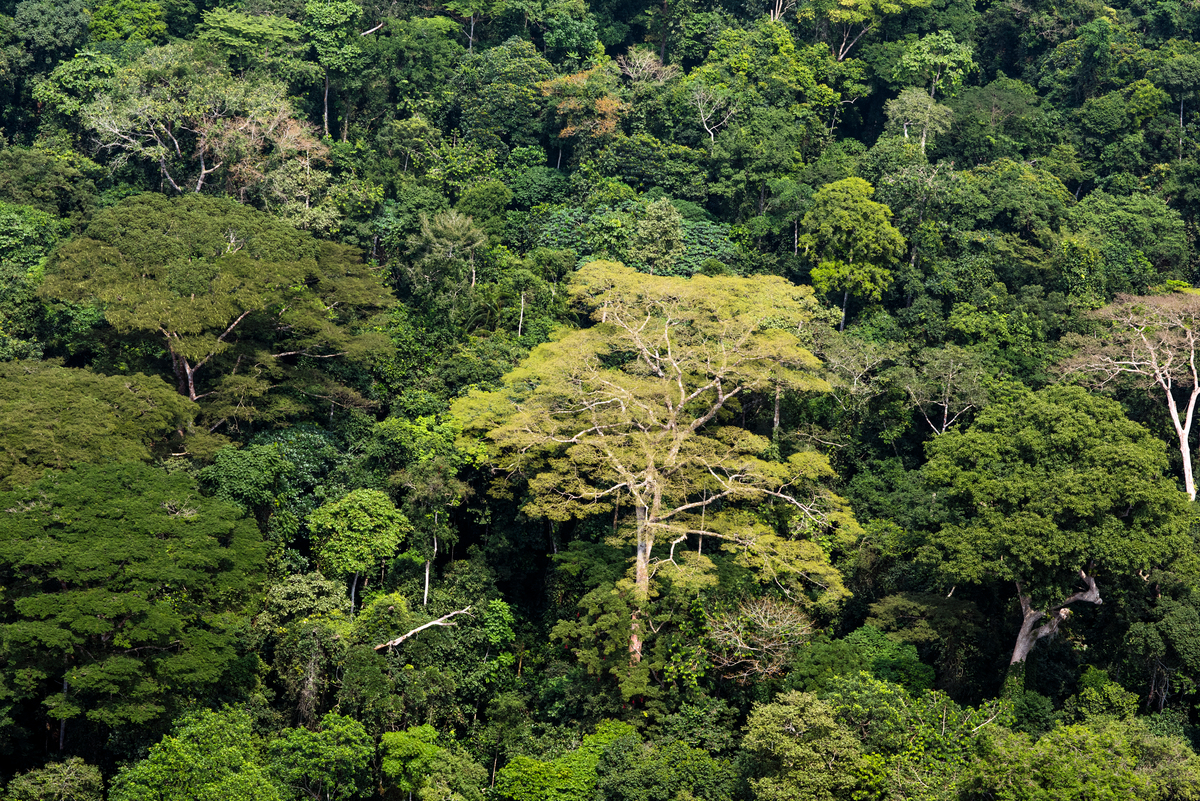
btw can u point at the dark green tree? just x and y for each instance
(238, 300)
(60, 417)
(122, 587)
(1053, 491)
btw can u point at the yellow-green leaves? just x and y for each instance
(636, 413)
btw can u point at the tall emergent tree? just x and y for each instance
(632, 414)
(1154, 341)
(1052, 491)
(239, 300)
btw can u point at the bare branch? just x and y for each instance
(444, 620)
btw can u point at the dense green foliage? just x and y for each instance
(608, 400)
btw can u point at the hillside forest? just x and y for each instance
(599, 400)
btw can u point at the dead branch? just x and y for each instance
(444, 620)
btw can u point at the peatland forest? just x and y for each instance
(599, 400)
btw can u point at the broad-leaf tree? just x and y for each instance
(1053, 491)
(852, 240)
(332, 29)
(60, 417)
(328, 763)
(357, 532)
(631, 416)
(209, 756)
(237, 299)
(801, 752)
(118, 580)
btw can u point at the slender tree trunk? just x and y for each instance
(62, 724)
(353, 592)
(641, 583)
(429, 563)
(662, 47)
(775, 422)
(325, 115)
(521, 322)
(845, 300)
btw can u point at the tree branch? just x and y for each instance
(444, 620)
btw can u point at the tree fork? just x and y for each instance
(1028, 636)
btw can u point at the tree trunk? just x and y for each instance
(1183, 431)
(353, 591)
(428, 564)
(1028, 636)
(641, 583)
(425, 600)
(1189, 482)
(325, 115)
(662, 47)
(845, 300)
(62, 724)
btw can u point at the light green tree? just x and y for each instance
(851, 239)
(414, 762)
(329, 763)
(915, 109)
(209, 756)
(128, 20)
(69, 780)
(356, 533)
(629, 415)
(195, 122)
(570, 777)
(851, 20)
(658, 239)
(332, 29)
(938, 61)
(800, 751)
